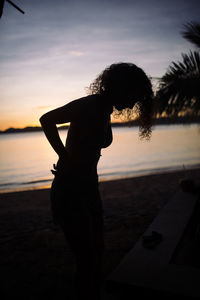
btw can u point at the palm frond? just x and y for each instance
(179, 89)
(190, 66)
(192, 33)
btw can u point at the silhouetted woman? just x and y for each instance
(75, 198)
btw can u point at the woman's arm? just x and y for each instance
(64, 114)
(52, 135)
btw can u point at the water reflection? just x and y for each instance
(26, 158)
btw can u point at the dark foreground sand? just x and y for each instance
(35, 260)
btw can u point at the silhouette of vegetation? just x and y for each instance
(2, 2)
(192, 33)
(179, 90)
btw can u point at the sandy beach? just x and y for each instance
(36, 262)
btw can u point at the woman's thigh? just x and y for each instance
(85, 233)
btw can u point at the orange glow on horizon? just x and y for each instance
(17, 123)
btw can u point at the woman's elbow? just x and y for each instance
(43, 119)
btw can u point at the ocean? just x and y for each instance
(27, 158)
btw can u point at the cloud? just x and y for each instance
(75, 53)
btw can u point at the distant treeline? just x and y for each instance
(160, 121)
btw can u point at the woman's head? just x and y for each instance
(129, 90)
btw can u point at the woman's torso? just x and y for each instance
(75, 187)
(87, 135)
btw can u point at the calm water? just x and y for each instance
(26, 158)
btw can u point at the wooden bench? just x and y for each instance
(146, 271)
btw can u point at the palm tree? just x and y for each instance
(179, 90)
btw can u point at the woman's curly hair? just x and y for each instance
(120, 77)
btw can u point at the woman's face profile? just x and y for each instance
(124, 103)
(125, 99)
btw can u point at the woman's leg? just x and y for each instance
(85, 236)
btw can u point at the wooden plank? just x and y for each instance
(151, 268)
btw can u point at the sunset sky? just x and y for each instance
(52, 52)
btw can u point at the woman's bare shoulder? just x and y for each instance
(87, 100)
(74, 111)
(87, 105)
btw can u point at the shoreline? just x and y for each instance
(139, 174)
(36, 261)
(160, 121)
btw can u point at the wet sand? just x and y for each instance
(35, 260)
